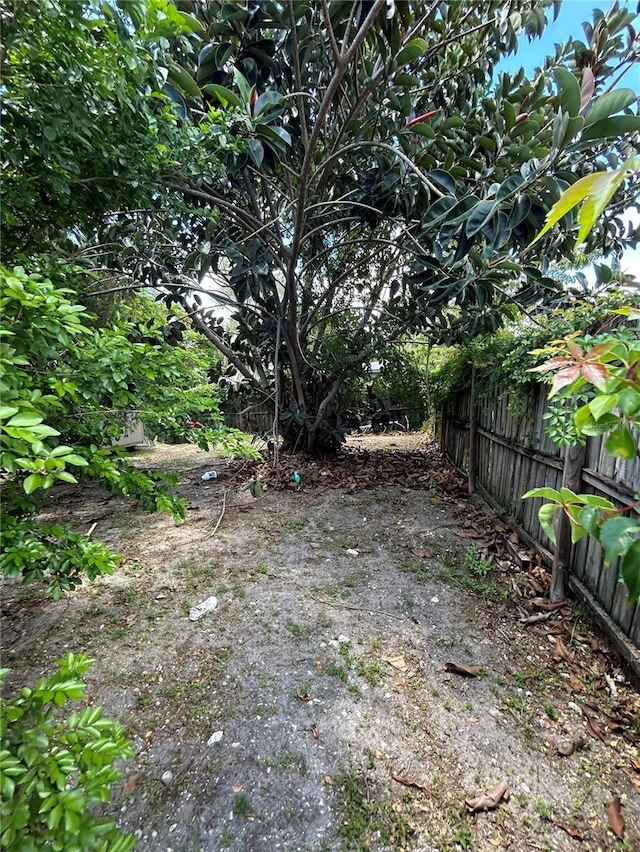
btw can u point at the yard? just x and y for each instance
(316, 708)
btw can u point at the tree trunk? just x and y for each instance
(571, 478)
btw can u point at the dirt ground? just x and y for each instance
(313, 709)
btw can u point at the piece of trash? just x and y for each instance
(167, 777)
(465, 671)
(203, 608)
(435, 599)
(210, 474)
(215, 738)
(351, 552)
(296, 477)
(490, 800)
(303, 697)
(342, 639)
(397, 662)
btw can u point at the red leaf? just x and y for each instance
(422, 117)
(595, 373)
(566, 377)
(554, 363)
(575, 349)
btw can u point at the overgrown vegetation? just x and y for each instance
(55, 770)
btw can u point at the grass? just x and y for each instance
(242, 805)
(366, 820)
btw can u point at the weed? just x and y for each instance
(475, 564)
(297, 630)
(366, 820)
(550, 710)
(543, 810)
(514, 704)
(239, 591)
(242, 805)
(335, 670)
(226, 840)
(522, 800)
(448, 705)
(296, 524)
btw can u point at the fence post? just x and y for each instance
(571, 478)
(473, 435)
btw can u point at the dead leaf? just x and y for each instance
(238, 788)
(397, 662)
(614, 815)
(315, 545)
(314, 730)
(408, 782)
(572, 832)
(575, 684)
(560, 651)
(328, 780)
(545, 605)
(466, 671)
(421, 553)
(536, 619)
(305, 697)
(568, 747)
(131, 783)
(593, 728)
(318, 664)
(490, 800)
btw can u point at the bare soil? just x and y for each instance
(312, 709)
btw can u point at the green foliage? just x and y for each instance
(68, 390)
(609, 365)
(54, 770)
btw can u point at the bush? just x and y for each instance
(54, 770)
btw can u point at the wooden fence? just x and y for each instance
(515, 455)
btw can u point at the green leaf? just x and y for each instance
(479, 217)
(182, 80)
(610, 104)
(602, 404)
(412, 51)
(569, 91)
(620, 443)
(225, 96)
(192, 24)
(629, 402)
(33, 482)
(24, 421)
(630, 570)
(269, 98)
(545, 516)
(619, 125)
(243, 84)
(616, 536)
(590, 520)
(594, 500)
(7, 411)
(545, 493)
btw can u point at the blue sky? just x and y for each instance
(531, 54)
(568, 23)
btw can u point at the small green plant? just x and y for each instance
(242, 805)
(543, 809)
(474, 563)
(54, 770)
(364, 817)
(550, 710)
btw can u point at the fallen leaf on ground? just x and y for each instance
(421, 553)
(314, 730)
(547, 606)
(490, 800)
(593, 728)
(614, 815)
(305, 697)
(397, 662)
(574, 684)
(568, 747)
(315, 545)
(237, 789)
(560, 650)
(328, 780)
(466, 671)
(536, 619)
(408, 782)
(572, 832)
(131, 783)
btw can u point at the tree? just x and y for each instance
(385, 181)
(89, 136)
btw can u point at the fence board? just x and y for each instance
(515, 456)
